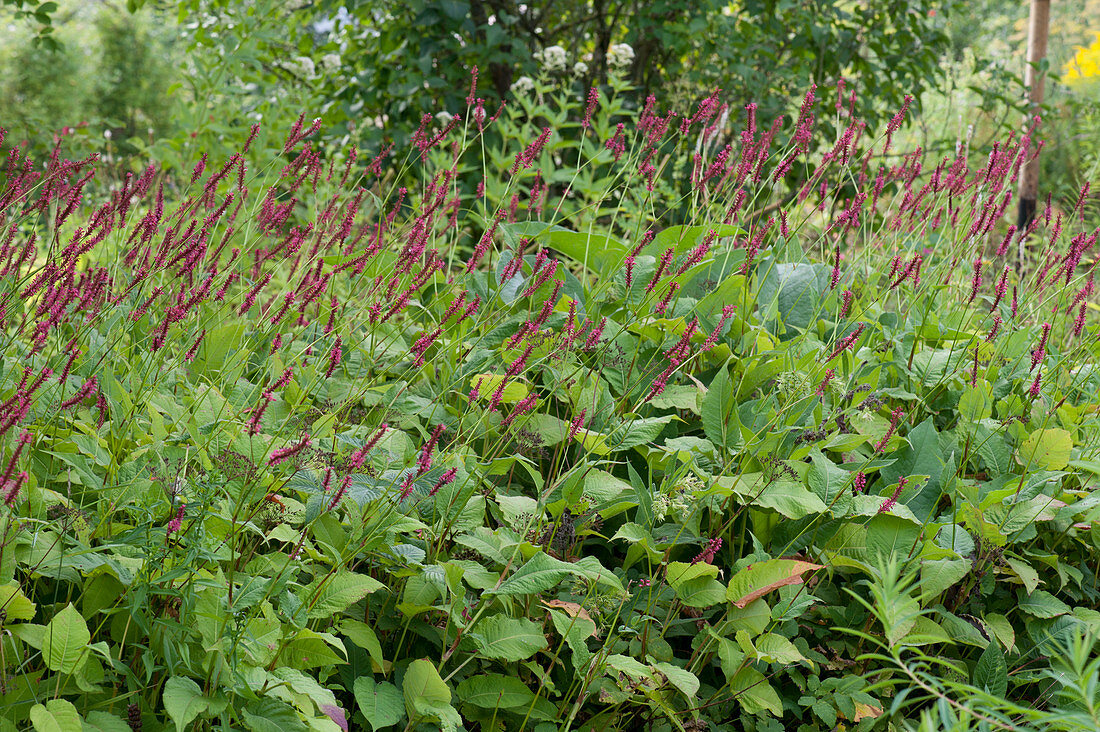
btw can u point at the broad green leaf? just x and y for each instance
(380, 703)
(635, 432)
(540, 573)
(939, 574)
(575, 630)
(770, 648)
(487, 384)
(495, 691)
(826, 478)
(790, 499)
(311, 650)
(701, 592)
(1001, 628)
(719, 413)
(601, 486)
(103, 722)
(65, 640)
(363, 636)
(272, 715)
(629, 666)
(1042, 604)
(760, 578)
(57, 715)
(329, 596)
(796, 289)
(991, 672)
(426, 694)
(678, 396)
(976, 402)
(926, 454)
(753, 692)
(183, 701)
(678, 573)
(682, 679)
(508, 639)
(1027, 574)
(550, 430)
(1047, 449)
(889, 535)
(15, 603)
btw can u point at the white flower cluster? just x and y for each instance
(580, 68)
(301, 66)
(523, 84)
(444, 118)
(620, 54)
(552, 59)
(331, 62)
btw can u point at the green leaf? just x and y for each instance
(104, 722)
(15, 603)
(65, 640)
(538, 574)
(57, 715)
(1042, 604)
(678, 573)
(719, 412)
(1047, 449)
(976, 402)
(379, 703)
(1027, 574)
(495, 691)
(701, 592)
(508, 639)
(272, 715)
(685, 681)
(991, 672)
(426, 694)
(753, 692)
(760, 578)
(891, 535)
(1001, 628)
(514, 391)
(789, 499)
(183, 701)
(363, 636)
(926, 454)
(550, 429)
(773, 648)
(826, 478)
(332, 595)
(635, 669)
(635, 432)
(797, 290)
(939, 574)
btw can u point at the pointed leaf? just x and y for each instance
(991, 672)
(757, 580)
(65, 640)
(183, 700)
(57, 715)
(508, 639)
(329, 596)
(379, 703)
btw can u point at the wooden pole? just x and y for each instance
(1038, 29)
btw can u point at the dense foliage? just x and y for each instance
(286, 447)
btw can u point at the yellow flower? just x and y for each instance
(1085, 63)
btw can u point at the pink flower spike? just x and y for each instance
(287, 452)
(1034, 389)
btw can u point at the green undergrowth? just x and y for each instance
(286, 449)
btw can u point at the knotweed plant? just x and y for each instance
(282, 444)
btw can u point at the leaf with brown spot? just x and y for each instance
(760, 578)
